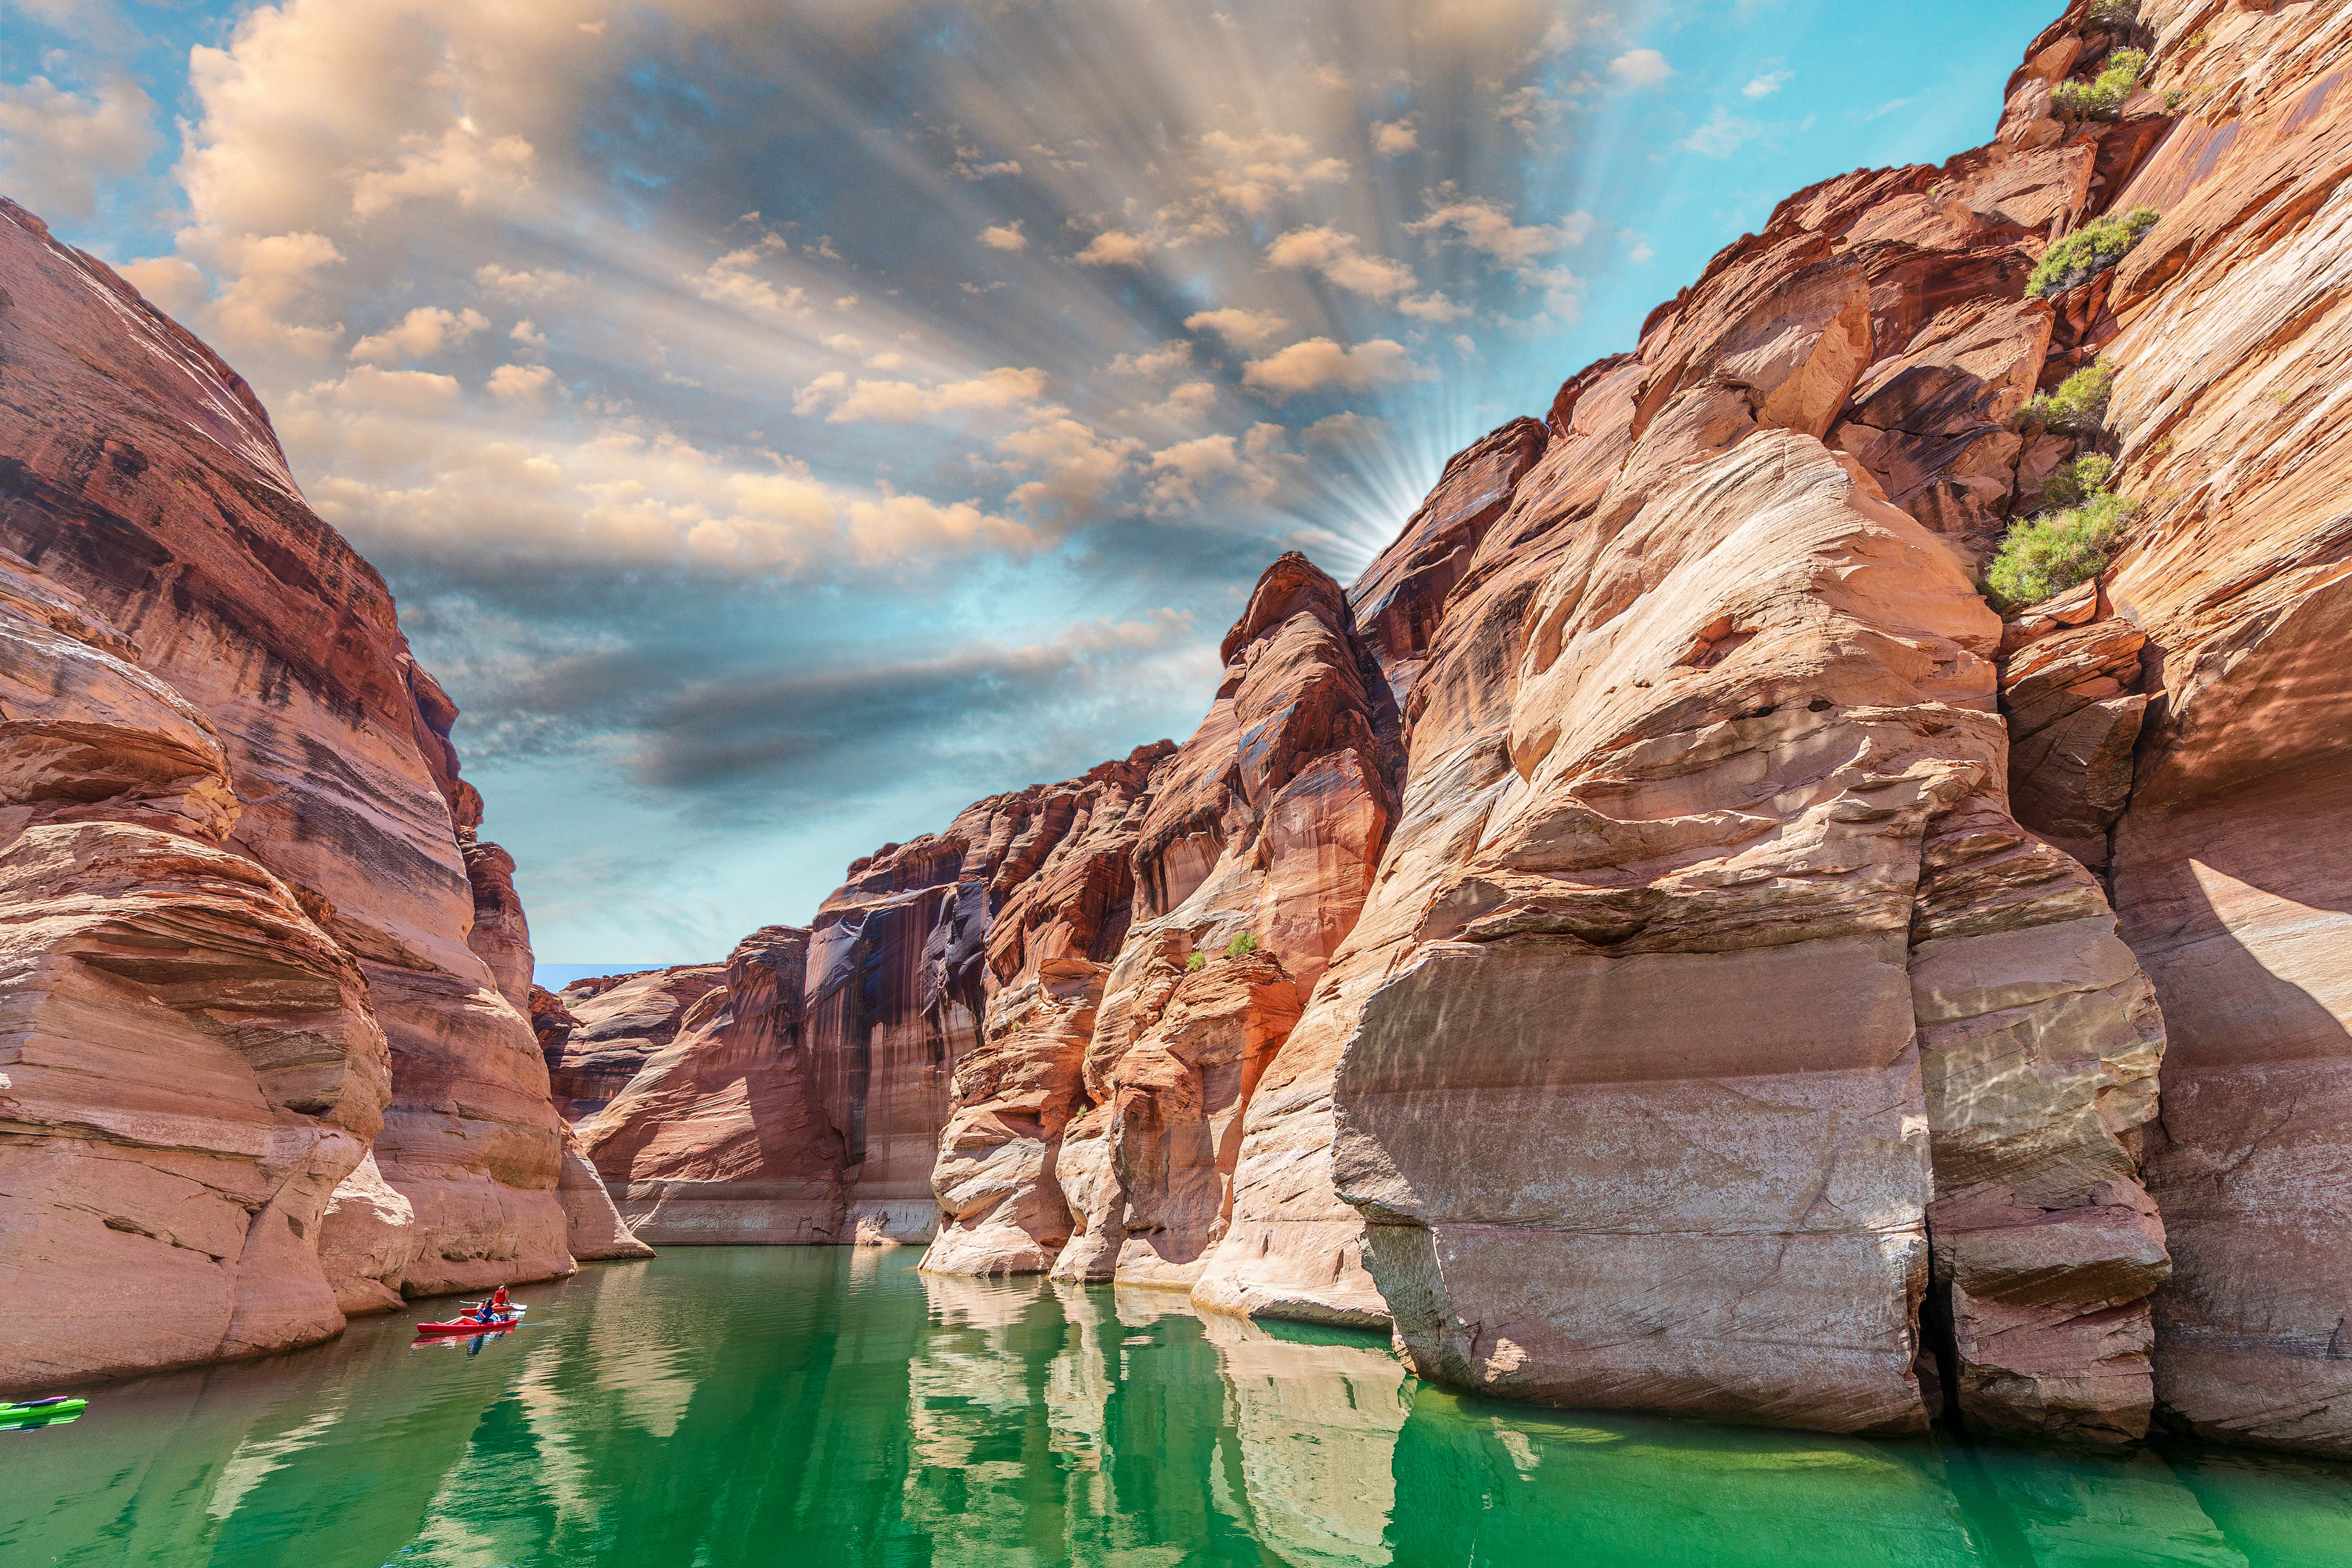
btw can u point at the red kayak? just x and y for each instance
(474, 1326)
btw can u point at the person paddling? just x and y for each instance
(494, 1309)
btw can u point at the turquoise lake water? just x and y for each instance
(796, 1406)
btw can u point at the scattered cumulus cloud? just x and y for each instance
(1395, 138)
(1766, 85)
(520, 382)
(1244, 330)
(908, 403)
(1115, 247)
(1340, 260)
(1641, 68)
(1723, 134)
(420, 334)
(55, 145)
(735, 281)
(1005, 236)
(1321, 363)
(1169, 358)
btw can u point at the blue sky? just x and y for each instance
(782, 424)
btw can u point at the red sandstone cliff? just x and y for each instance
(1703, 961)
(1696, 956)
(804, 1099)
(263, 1054)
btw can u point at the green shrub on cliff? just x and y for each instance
(2049, 554)
(2104, 98)
(2077, 482)
(1240, 946)
(2090, 250)
(1196, 961)
(2078, 407)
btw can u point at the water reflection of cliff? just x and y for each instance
(751, 1405)
(1067, 1424)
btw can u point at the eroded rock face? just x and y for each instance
(239, 982)
(1253, 862)
(2230, 865)
(1706, 707)
(1046, 946)
(719, 1138)
(616, 1024)
(2070, 689)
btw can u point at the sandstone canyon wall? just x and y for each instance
(1659, 939)
(262, 1062)
(804, 1099)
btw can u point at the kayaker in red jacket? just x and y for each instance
(491, 1310)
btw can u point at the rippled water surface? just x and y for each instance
(817, 1406)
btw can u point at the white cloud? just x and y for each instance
(170, 283)
(913, 527)
(1641, 68)
(1431, 306)
(545, 284)
(1340, 258)
(1321, 362)
(409, 392)
(1005, 236)
(1246, 329)
(1080, 467)
(1768, 84)
(1192, 473)
(1395, 138)
(1484, 225)
(1169, 359)
(1347, 429)
(528, 334)
(55, 145)
(907, 403)
(1887, 107)
(731, 282)
(1190, 403)
(527, 384)
(1115, 247)
(269, 279)
(1723, 134)
(1530, 110)
(420, 334)
(463, 163)
(1250, 174)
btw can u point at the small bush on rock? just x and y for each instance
(1196, 961)
(1240, 946)
(2090, 250)
(2104, 99)
(2048, 554)
(2079, 406)
(2077, 482)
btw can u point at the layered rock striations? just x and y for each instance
(261, 1065)
(1659, 939)
(718, 1138)
(1252, 868)
(596, 1033)
(2230, 864)
(902, 1070)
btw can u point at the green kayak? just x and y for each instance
(52, 1409)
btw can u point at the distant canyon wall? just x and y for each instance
(1658, 939)
(262, 1061)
